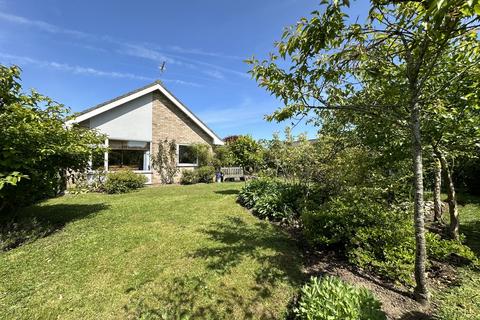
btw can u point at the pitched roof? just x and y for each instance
(156, 85)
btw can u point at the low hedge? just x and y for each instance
(123, 181)
(204, 174)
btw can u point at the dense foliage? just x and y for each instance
(38, 147)
(188, 177)
(404, 79)
(123, 181)
(295, 158)
(273, 199)
(204, 174)
(329, 298)
(203, 153)
(243, 151)
(368, 225)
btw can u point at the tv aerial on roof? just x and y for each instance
(162, 67)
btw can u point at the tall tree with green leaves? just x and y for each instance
(379, 70)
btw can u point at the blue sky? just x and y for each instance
(82, 53)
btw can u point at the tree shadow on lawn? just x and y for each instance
(276, 259)
(471, 230)
(194, 298)
(267, 245)
(415, 315)
(39, 221)
(228, 192)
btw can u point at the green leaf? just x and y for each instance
(476, 8)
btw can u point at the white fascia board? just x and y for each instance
(93, 113)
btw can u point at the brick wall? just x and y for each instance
(170, 123)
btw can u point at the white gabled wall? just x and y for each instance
(130, 121)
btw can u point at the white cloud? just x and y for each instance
(247, 112)
(86, 70)
(214, 74)
(201, 52)
(146, 51)
(69, 68)
(42, 25)
(150, 53)
(186, 83)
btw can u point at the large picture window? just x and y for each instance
(186, 155)
(133, 155)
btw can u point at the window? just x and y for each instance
(125, 159)
(186, 155)
(133, 155)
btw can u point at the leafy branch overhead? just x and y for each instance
(331, 64)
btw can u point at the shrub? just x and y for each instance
(203, 153)
(330, 298)
(272, 199)
(80, 184)
(250, 193)
(336, 221)
(448, 250)
(37, 148)
(387, 248)
(189, 177)
(205, 174)
(123, 181)
(374, 234)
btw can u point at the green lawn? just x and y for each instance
(462, 302)
(162, 252)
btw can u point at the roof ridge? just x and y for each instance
(158, 82)
(120, 97)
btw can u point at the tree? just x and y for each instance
(452, 124)
(37, 146)
(294, 158)
(380, 70)
(223, 157)
(246, 152)
(437, 187)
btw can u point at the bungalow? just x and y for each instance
(137, 121)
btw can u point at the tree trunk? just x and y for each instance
(437, 202)
(451, 196)
(421, 290)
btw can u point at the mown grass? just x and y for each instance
(462, 302)
(162, 252)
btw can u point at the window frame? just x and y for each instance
(147, 166)
(178, 156)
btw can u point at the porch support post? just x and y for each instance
(105, 159)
